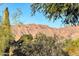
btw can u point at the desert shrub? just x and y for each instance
(41, 45)
(48, 45)
(22, 44)
(72, 47)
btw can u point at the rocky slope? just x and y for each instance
(66, 32)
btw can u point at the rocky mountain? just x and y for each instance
(66, 32)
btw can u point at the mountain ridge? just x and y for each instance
(65, 32)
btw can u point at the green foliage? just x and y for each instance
(6, 27)
(72, 47)
(41, 45)
(67, 11)
(21, 45)
(5, 33)
(26, 37)
(1, 41)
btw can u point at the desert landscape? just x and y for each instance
(24, 35)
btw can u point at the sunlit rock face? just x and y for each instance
(66, 32)
(33, 29)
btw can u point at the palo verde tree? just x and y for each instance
(69, 12)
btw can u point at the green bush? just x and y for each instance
(22, 45)
(72, 47)
(41, 45)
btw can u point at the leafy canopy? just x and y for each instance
(69, 12)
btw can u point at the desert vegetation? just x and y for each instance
(72, 46)
(41, 44)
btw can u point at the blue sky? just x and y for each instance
(26, 17)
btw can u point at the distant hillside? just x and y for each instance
(66, 32)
